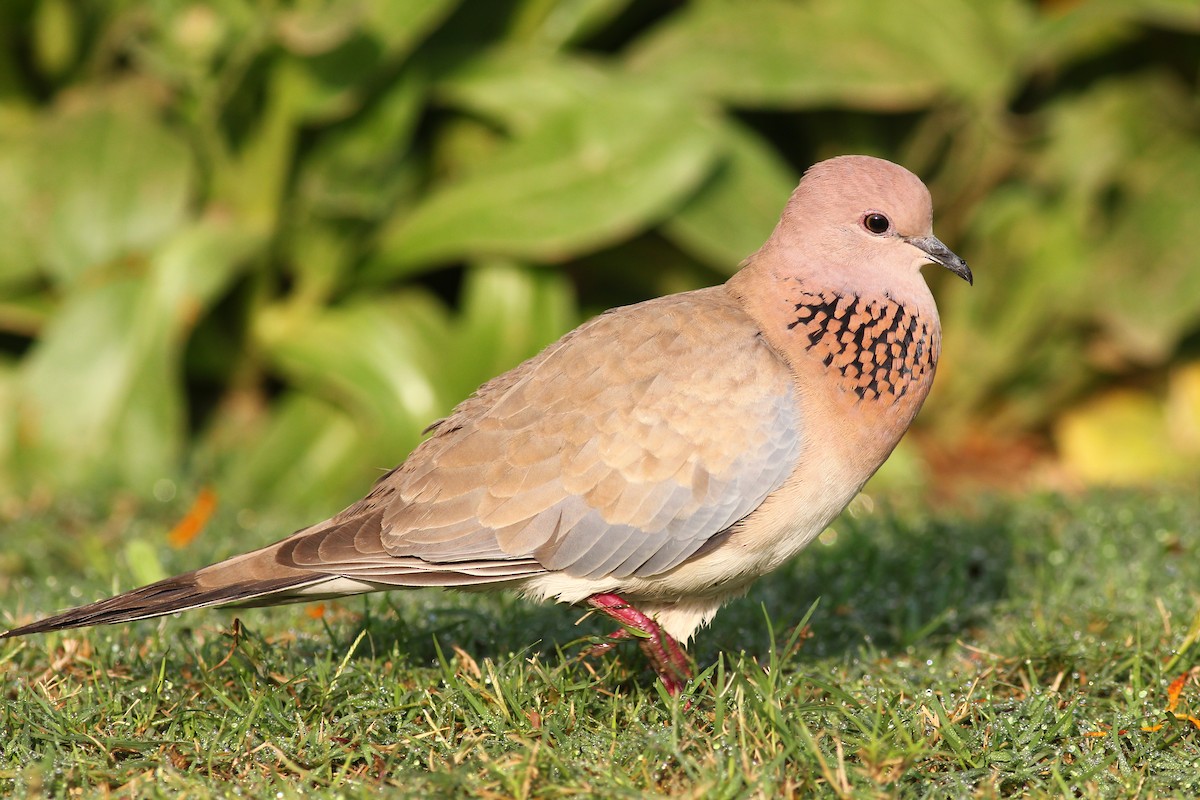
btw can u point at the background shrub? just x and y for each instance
(262, 245)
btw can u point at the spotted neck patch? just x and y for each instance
(880, 348)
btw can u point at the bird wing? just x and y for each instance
(621, 450)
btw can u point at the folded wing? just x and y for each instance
(616, 452)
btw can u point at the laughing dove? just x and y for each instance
(656, 460)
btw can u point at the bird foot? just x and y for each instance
(664, 653)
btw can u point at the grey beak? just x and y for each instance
(939, 253)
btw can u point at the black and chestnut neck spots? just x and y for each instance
(879, 347)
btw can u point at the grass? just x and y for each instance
(1035, 647)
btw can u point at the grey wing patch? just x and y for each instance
(594, 548)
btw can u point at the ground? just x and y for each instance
(1037, 646)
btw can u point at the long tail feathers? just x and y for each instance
(251, 579)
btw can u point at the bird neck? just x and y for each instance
(878, 349)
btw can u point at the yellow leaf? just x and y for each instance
(1122, 438)
(1183, 407)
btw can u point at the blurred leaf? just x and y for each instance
(9, 377)
(101, 391)
(1030, 292)
(192, 524)
(354, 170)
(394, 365)
(1149, 314)
(316, 29)
(586, 176)
(328, 87)
(19, 255)
(320, 254)
(777, 53)
(1084, 29)
(1183, 406)
(554, 23)
(648, 266)
(352, 178)
(509, 313)
(107, 180)
(519, 88)
(392, 27)
(1180, 14)
(338, 47)
(734, 212)
(1149, 266)
(55, 36)
(144, 564)
(378, 359)
(102, 376)
(464, 144)
(1094, 236)
(195, 267)
(307, 463)
(23, 313)
(1121, 437)
(1129, 162)
(250, 181)
(402, 24)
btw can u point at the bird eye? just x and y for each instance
(876, 223)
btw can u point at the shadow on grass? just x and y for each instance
(884, 582)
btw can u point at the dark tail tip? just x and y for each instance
(181, 593)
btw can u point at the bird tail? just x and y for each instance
(252, 579)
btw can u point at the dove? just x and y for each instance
(655, 461)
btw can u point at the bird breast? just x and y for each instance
(879, 350)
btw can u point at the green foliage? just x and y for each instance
(265, 244)
(1028, 649)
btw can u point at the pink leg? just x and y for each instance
(665, 654)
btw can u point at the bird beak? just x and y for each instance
(940, 254)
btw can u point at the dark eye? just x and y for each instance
(876, 223)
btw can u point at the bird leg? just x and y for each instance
(664, 653)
